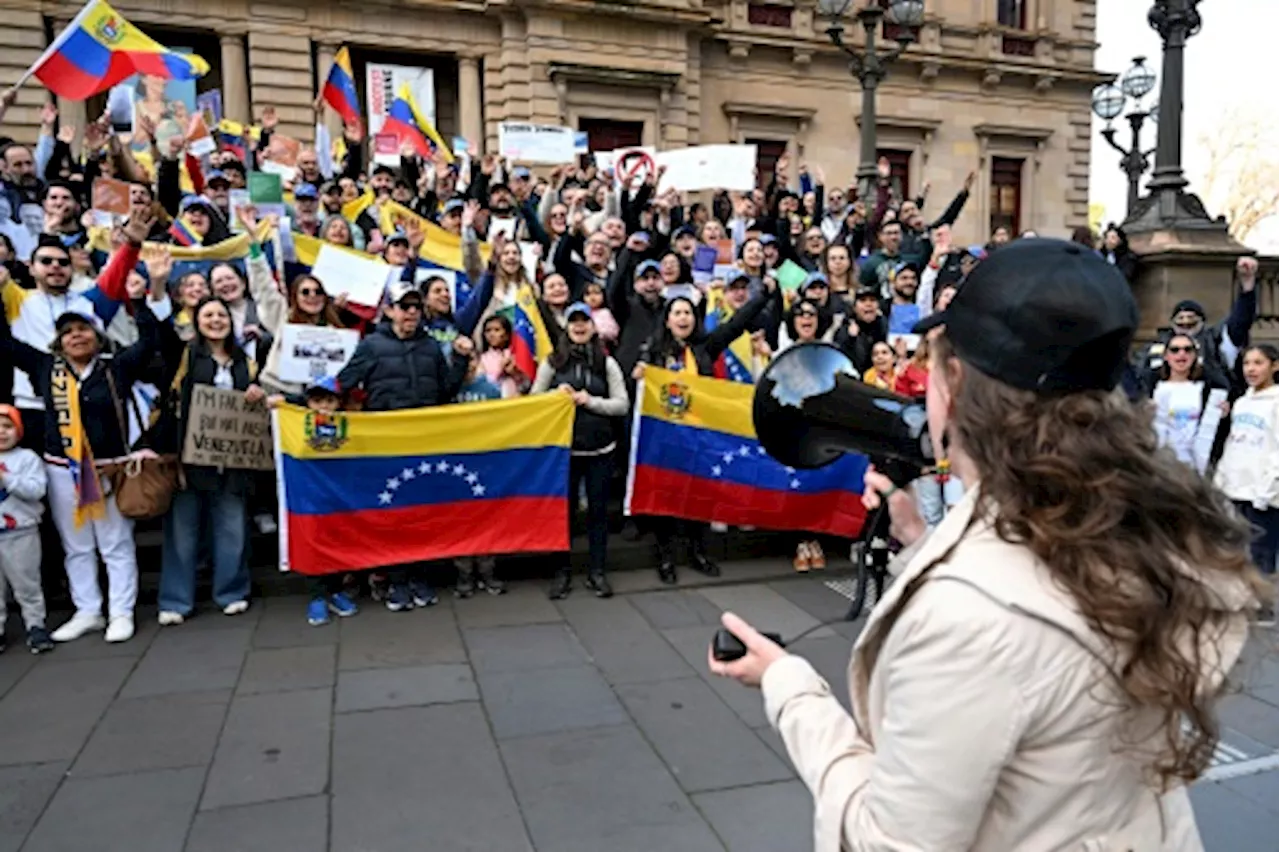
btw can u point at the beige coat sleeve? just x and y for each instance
(951, 715)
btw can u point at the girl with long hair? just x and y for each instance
(1043, 672)
(497, 359)
(1249, 470)
(213, 357)
(1181, 396)
(883, 372)
(581, 368)
(503, 279)
(230, 286)
(307, 303)
(837, 265)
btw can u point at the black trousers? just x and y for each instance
(667, 530)
(595, 472)
(324, 585)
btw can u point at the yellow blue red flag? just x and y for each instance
(340, 89)
(99, 48)
(694, 455)
(361, 490)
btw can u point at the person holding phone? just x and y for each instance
(1044, 671)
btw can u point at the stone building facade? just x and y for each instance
(999, 87)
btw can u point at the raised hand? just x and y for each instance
(48, 115)
(248, 216)
(269, 118)
(469, 212)
(159, 264)
(67, 133)
(138, 227)
(883, 169)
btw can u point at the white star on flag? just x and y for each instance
(728, 457)
(406, 474)
(795, 483)
(424, 468)
(744, 451)
(458, 470)
(442, 467)
(472, 479)
(384, 498)
(393, 483)
(477, 490)
(715, 470)
(760, 451)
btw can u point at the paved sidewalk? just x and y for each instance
(490, 724)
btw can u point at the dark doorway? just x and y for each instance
(606, 135)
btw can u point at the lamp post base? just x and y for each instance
(1171, 209)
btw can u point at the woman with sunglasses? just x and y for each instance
(1181, 397)
(307, 303)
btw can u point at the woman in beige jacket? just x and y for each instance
(1041, 675)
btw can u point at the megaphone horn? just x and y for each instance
(811, 407)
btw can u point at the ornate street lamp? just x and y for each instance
(869, 66)
(1168, 205)
(1109, 100)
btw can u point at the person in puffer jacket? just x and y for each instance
(1249, 471)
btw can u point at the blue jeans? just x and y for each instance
(227, 517)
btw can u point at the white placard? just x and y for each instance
(382, 82)
(506, 227)
(530, 257)
(730, 167)
(547, 144)
(312, 352)
(362, 278)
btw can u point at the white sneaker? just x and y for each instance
(80, 624)
(265, 524)
(120, 628)
(235, 608)
(168, 618)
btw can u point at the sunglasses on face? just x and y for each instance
(310, 291)
(807, 313)
(53, 261)
(1181, 350)
(410, 306)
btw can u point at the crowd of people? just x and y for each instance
(106, 347)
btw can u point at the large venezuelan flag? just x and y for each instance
(694, 455)
(410, 125)
(340, 89)
(99, 48)
(362, 490)
(736, 362)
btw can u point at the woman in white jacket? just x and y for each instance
(1249, 472)
(1025, 682)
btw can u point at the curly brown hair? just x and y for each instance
(1124, 528)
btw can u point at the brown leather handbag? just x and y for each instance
(143, 486)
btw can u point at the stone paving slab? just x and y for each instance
(295, 825)
(50, 713)
(621, 643)
(24, 792)
(692, 644)
(376, 689)
(1230, 822)
(274, 746)
(524, 603)
(668, 610)
(518, 649)
(602, 789)
(377, 638)
(421, 778)
(704, 744)
(283, 624)
(187, 659)
(762, 818)
(542, 701)
(156, 732)
(765, 609)
(142, 812)
(286, 669)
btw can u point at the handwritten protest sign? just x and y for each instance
(537, 143)
(311, 352)
(224, 431)
(364, 278)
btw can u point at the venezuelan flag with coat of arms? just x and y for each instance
(99, 48)
(366, 489)
(694, 455)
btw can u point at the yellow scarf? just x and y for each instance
(90, 502)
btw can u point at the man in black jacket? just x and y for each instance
(867, 327)
(400, 366)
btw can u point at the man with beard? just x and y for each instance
(31, 313)
(904, 313)
(865, 328)
(878, 269)
(61, 210)
(18, 179)
(217, 188)
(330, 199)
(306, 209)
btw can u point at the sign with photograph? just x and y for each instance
(311, 352)
(383, 81)
(226, 432)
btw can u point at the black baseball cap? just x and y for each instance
(1042, 315)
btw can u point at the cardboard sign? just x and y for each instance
(311, 352)
(386, 149)
(724, 251)
(363, 277)
(110, 201)
(283, 150)
(199, 140)
(225, 432)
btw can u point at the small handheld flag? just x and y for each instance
(410, 125)
(340, 89)
(99, 48)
